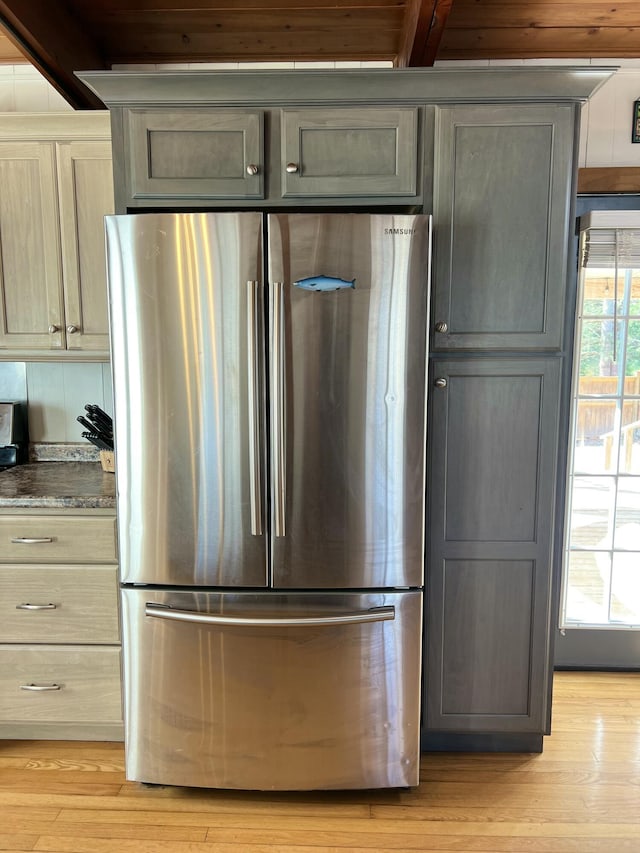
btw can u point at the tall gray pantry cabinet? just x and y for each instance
(492, 154)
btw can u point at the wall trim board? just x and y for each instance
(609, 179)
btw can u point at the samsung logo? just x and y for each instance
(399, 230)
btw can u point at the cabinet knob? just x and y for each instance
(252, 169)
(292, 168)
(71, 329)
(440, 382)
(441, 327)
(53, 329)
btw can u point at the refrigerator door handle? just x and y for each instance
(253, 373)
(278, 410)
(374, 614)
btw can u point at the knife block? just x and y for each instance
(107, 460)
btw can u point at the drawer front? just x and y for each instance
(195, 154)
(76, 684)
(325, 691)
(57, 539)
(51, 604)
(350, 152)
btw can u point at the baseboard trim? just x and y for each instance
(484, 742)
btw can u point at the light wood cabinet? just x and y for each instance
(55, 173)
(58, 604)
(69, 686)
(57, 539)
(85, 196)
(59, 636)
(30, 267)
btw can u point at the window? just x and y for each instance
(601, 579)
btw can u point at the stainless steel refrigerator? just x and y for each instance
(269, 388)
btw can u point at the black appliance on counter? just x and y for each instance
(14, 435)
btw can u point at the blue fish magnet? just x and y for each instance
(324, 282)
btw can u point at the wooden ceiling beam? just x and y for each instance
(424, 25)
(52, 40)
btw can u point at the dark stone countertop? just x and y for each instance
(80, 485)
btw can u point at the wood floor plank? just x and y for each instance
(442, 821)
(108, 829)
(95, 766)
(39, 777)
(17, 842)
(13, 762)
(282, 839)
(433, 845)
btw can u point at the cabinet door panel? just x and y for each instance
(503, 183)
(493, 447)
(195, 154)
(350, 152)
(85, 197)
(486, 641)
(30, 273)
(500, 446)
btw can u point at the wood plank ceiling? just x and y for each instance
(67, 35)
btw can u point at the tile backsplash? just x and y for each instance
(13, 382)
(56, 394)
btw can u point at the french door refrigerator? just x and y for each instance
(269, 391)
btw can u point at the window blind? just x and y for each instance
(610, 239)
(611, 248)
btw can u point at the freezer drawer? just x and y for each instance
(272, 691)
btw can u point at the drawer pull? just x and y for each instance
(40, 688)
(27, 606)
(26, 540)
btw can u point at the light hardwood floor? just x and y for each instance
(581, 795)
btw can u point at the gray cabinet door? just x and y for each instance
(350, 152)
(503, 181)
(493, 445)
(194, 154)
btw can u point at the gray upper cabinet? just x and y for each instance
(493, 448)
(194, 154)
(503, 180)
(363, 152)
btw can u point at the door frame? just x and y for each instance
(585, 648)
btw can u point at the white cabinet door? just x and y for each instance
(85, 188)
(31, 305)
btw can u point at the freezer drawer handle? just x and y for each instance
(375, 614)
(26, 540)
(27, 606)
(40, 688)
